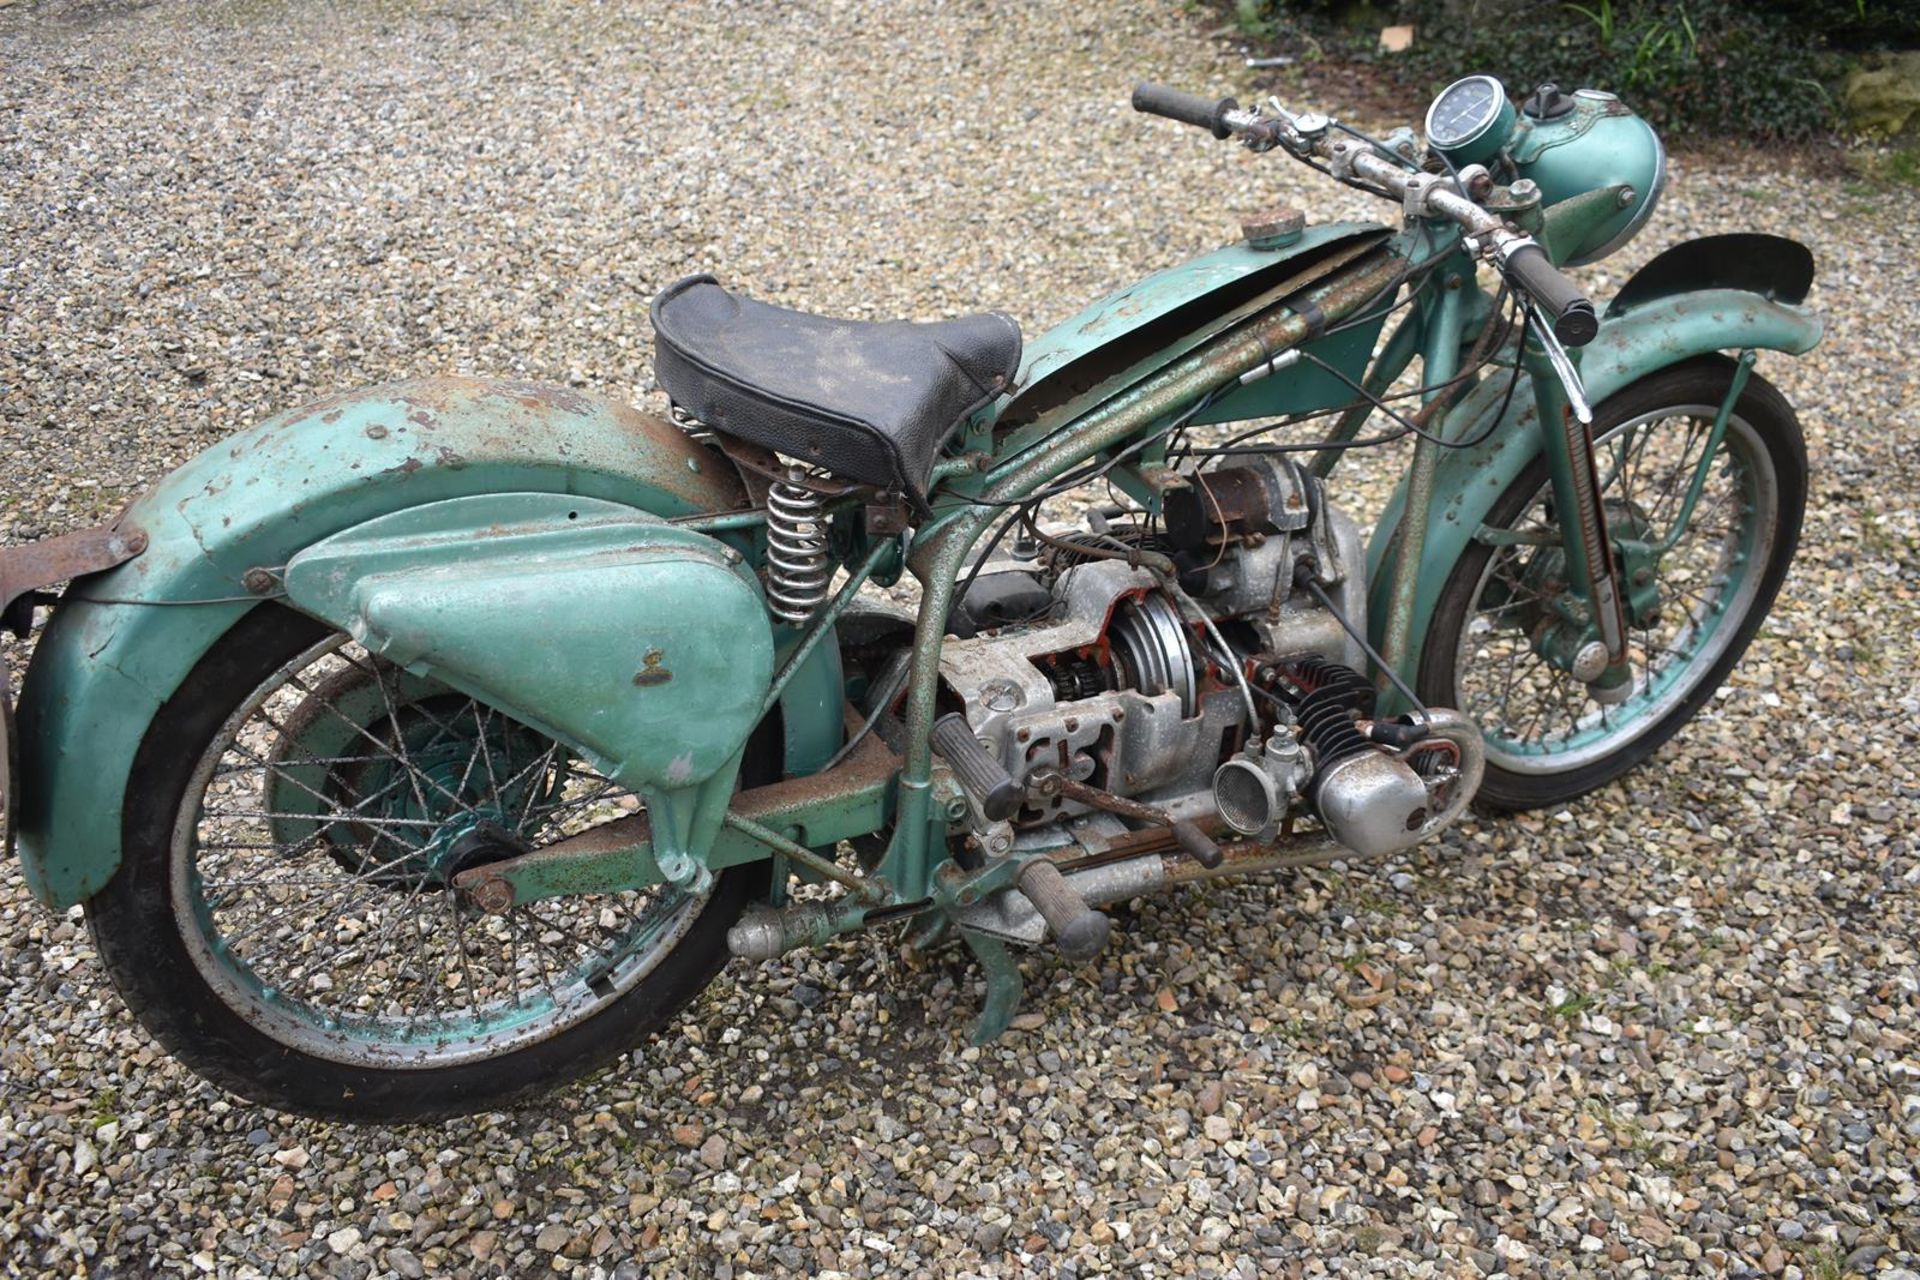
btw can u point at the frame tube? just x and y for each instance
(937, 558)
(1439, 360)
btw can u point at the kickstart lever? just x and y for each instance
(1193, 842)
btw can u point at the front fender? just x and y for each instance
(1651, 336)
(101, 670)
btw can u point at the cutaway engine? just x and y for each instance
(1201, 669)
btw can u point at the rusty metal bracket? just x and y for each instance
(29, 569)
(850, 799)
(760, 466)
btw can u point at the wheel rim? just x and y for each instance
(1537, 718)
(329, 924)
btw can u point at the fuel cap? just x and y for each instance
(1275, 227)
(1547, 103)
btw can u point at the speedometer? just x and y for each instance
(1470, 119)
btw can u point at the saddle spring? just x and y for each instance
(688, 423)
(798, 566)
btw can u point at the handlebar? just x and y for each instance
(1568, 313)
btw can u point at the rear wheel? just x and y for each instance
(1697, 607)
(283, 919)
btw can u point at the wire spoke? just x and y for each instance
(1649, 465)
(324, 843)
(396, 749)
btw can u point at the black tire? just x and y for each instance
(142, 944)
(1774, 429)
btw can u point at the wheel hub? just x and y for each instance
(396, 774)
(477, 811)
(1562, 627)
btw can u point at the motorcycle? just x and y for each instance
(429, 745)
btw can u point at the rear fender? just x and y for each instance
(100, 671)
(1652, 335)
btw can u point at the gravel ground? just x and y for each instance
(1672, 1029)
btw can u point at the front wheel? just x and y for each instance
(283, 919)
(1693, 611)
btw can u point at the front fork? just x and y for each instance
(1601, 600)
(1593, 576)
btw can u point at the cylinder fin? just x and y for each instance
(1331, 695)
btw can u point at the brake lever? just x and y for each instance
(1262, 136)
(1563, 365)
(1271, 125)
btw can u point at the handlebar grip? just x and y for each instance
(1187, 108)
(1573, 317)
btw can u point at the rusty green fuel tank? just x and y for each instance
(1129, 334)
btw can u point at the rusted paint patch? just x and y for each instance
(652, 673)
(538, 395)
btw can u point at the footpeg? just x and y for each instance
(993, 791)
(1197, 844)
(1078, 930)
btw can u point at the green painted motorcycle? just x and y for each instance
(432, 744)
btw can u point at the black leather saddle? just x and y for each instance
(869, 401)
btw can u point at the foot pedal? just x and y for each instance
(1078, 930)
(992, 789)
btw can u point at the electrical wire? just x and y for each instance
(1441, 388)
(1297, 419)
(980, 561)
(892, 682)
(1022, 510)
(1418, 277)
(1305, 446)
(171, 604)
(1345, 182)
(1393, 677)
(1228, 448)
(1073, 480)
(1389, 437)
(1178, 451)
